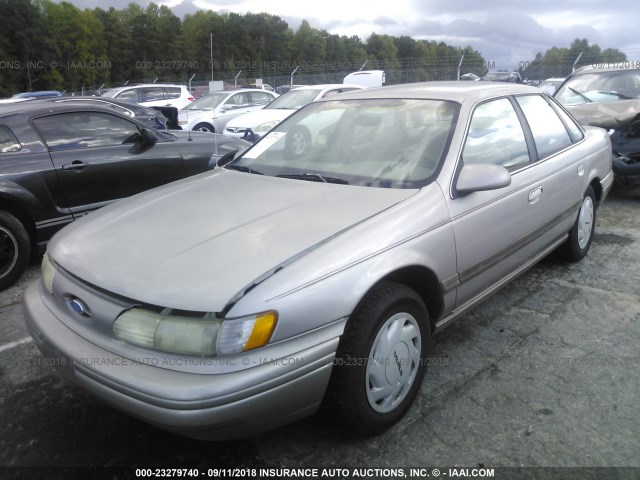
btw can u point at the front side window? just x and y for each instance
(238, 100)
(208, 101)
(128, 96)
(8, 141)
(76, 130)
(496, 136)
(549, 133)
(387, 143)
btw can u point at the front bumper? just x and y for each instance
(217, 406)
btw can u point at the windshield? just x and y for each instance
(295, 99)
(208, 101)
(387, 143)
(604, 86)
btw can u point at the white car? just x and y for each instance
(152, 95)
(212, 111)
(550, 85)
(262, 121)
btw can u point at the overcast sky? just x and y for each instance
(504, 31)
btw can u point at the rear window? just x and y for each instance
(8, 141)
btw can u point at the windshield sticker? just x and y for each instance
(260, 147)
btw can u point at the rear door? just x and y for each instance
(497, 230)
(98, 158)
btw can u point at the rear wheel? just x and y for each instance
(15, 249)
(381, 359)
(581, 234)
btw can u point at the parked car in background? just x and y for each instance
(149, 116)
(62, 160)
(254, 125)
(608, 96)
(238, 300)
(510, 77)
(366, 78)
(38, 94)
(212, 111)
(282, 89)
(550, 85)
(152, 95)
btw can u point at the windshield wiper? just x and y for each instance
(621, 96)
(243, 168)
(581, 94)
(314, 177)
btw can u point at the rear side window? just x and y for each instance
(8, 141)
(496, 136)
(549, 133)
(172, 92)
(261, 98)
(152, 94)
(69, 131)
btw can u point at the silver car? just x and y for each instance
(235, 301)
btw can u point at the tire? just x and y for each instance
(581, 234)
(298, 140)
(373, 383)
(204, 127)
(15, 249)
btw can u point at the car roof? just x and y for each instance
(454, 91)
(144, 85)
(239, 90)
(39, 106)
(604, 67)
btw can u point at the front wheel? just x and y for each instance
(204, 127)
(15, 249)
(581, 234)
(381, 359)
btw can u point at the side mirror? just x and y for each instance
(250, 136)
(148, 138)
(226, 159)
(480, 177)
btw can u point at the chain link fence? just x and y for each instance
(277, 74)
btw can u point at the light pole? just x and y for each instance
(27, 43)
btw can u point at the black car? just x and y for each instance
(60, 161)
(608, 96)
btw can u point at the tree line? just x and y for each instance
(46, 45)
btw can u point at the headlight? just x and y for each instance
(48, 270)
(204, 336)
(265, 127)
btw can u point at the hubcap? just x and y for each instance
(298, 143)
(393, 362)
(8, 251)
(585, 222)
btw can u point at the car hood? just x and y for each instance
(253, 119)
(197, 243)
(616, 115)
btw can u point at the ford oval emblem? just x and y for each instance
(79, 307)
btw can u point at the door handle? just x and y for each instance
(75, 165)
(535, 195)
